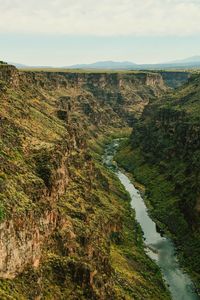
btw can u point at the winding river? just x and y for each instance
(159, 248)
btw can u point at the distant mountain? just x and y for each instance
(192, 62)
(192, 59)
(113, 65)
(184, 64)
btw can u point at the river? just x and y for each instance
(159, 248)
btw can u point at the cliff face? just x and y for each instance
(123, 94)
(165, 156)
(65, 221)
(22, 240)
(127, 94)
(9, 75)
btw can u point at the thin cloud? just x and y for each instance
(101, 18)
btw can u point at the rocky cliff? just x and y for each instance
(127, 93)
(67, 230)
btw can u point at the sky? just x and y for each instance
(66, 32)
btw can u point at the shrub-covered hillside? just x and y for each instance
(164, 154)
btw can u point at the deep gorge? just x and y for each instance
(67, 228)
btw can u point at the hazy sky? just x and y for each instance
(64, 32)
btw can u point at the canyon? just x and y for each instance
(67, 230)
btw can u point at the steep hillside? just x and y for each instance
(164, 154)
(66, 227)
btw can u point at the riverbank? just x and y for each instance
(133, 163)
(132, 266)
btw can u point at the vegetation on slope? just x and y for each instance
(164, 154)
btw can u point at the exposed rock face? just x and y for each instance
(93, 81)
(21, 242)
(9, 75)
(126, 93)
